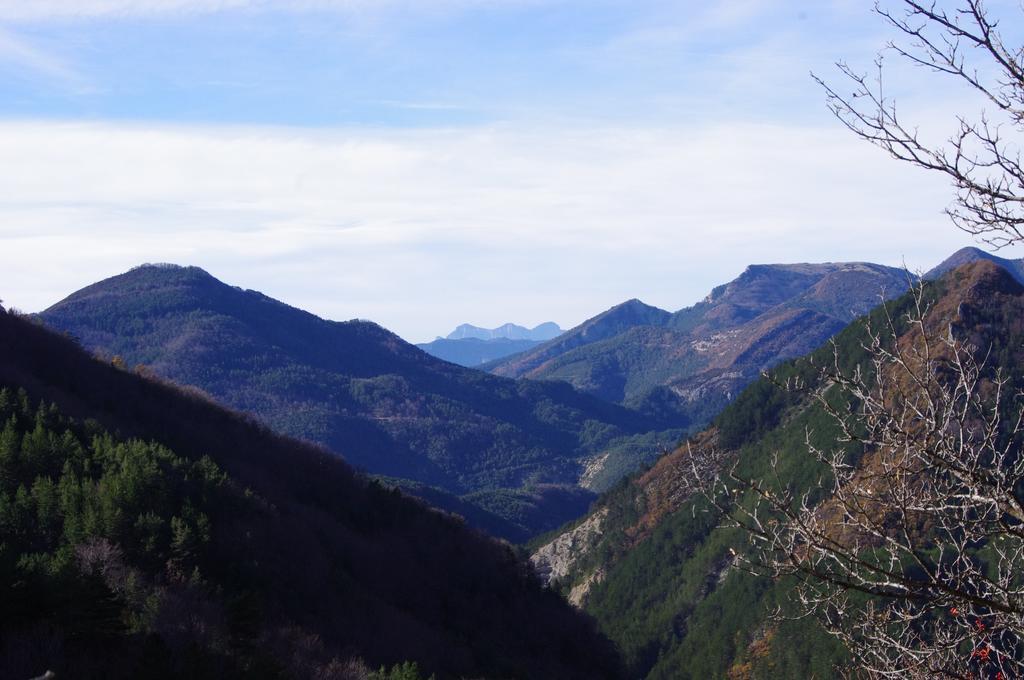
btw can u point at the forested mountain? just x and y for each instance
(653, 564)
(608, 324)
(694, 361)
(363, 392)
(146, 532)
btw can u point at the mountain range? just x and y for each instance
(147, 532)
(694, 361)
(473, 346)
(509, 331)
(657, 569)
(501, 445)
(516, 457)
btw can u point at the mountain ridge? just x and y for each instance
(694, 360)
(509, 331)
(187, 540)
(653, 564)
(352, 386)
(972, 254)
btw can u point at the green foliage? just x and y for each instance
(178, 539)
(763, 406)
(402, 671)
(632, 354)
(98, 527)
(542, 507)
(672, 602)
(361, 391)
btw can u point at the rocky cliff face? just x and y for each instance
(555, 560)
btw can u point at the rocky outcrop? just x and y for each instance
(553, 561)
(578, 594)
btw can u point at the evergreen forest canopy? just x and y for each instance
(662, 578)
(146, 532)
(694, 361)
(143, 516)
(509, 454)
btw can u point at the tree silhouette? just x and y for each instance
(962, 41)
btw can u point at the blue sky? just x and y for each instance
(427, 163)
(408, 63)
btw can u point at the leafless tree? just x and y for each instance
(963, 41)
(915, 560)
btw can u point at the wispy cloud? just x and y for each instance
(421, 106)
(627, 166)
(677, 25)
(22, 55)
(422, 230)
(35, 10)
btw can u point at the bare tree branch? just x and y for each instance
(915, 560)
(982, 156)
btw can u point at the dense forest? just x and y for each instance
(386, 406)
(146, 532)
(694, 361)
(661, 577)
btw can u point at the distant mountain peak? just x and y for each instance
(969, 251)
(632, 303)
(972, 254)
(508, 331)
(628, 314)
(691, 362)
(631, 306)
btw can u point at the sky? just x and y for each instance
(426, 163)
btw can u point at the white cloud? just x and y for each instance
(35, 10)
(422, 230)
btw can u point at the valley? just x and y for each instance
(511, 340)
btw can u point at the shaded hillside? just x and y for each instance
(652, 564)
(618, 319)
(146, 532)
(695, 361)
(473, 352)
(354, 387)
